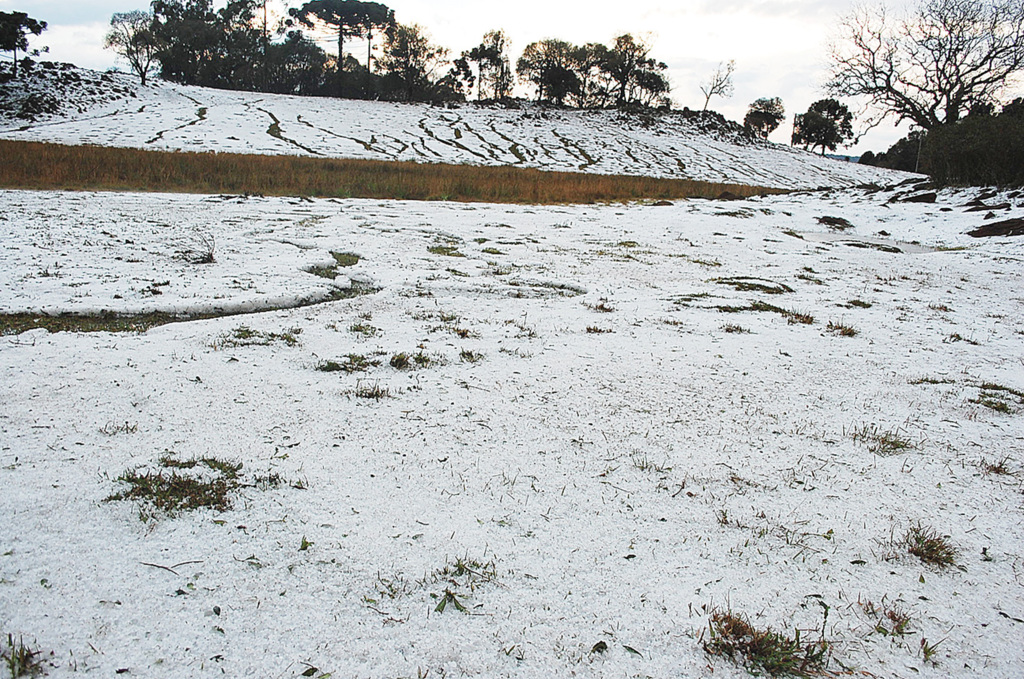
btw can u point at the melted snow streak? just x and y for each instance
(167, 116)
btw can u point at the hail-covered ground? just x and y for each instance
(75, 106)
(451, 439)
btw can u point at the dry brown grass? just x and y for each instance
(35, 165)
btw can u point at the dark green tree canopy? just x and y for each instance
(635, 77)
(550, 65)
(493, 69)
(410, 66)
(764, 116)
(594, 75)
(827, 124)
(230, 49)
(15, 27)
(348, 18)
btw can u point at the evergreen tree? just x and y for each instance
(15, 27)
(827, 124)
(764, 116)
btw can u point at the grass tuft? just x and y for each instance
(601, 306)
(999, 398)
(374, 391)
(841, 329)
(21, 660)
(445, 250)
(892, 621)
(765, 651)
(180, 485)
(244, 336)
(930, 547)
(351, 363)
(345, 259)
(881, 442)
(1000, 467)
(748, 284)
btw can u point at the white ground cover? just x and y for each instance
(172, 117)
(607, 486)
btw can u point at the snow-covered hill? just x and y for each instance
(85, 107)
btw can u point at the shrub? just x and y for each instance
(978, 150)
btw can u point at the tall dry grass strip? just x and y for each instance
(35, 165)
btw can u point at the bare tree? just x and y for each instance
(933, 65)
(131, 36)
(719, 83)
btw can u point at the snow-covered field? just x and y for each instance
(587, 451)
(172, 117)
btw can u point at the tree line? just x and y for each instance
(235, 47)
(941, 65)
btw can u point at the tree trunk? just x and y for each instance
(341, 48)
(341, 57)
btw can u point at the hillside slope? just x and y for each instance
(63, 104)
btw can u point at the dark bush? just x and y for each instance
(978, 150)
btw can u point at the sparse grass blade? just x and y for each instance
(765, 651)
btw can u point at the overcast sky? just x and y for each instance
(779, 45)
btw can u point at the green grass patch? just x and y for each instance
(178, 485)
(930, 546)
(364, 329)
(351, 363)
(244, 336)
(345, 259)
(445, 250)
(765, 651)
(749, 284)
(880, 441)
(324, 271)
(109, 321)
